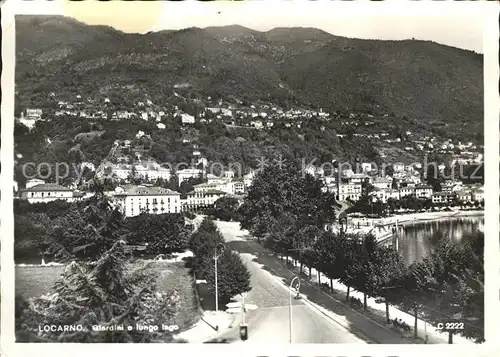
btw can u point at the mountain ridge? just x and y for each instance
(422, 80)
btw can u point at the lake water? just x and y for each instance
(416, 239)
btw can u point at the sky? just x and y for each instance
(457, 24)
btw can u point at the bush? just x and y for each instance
(356, 303)
(233, 276)
(163, 233)
(325, 286)
(401, 325)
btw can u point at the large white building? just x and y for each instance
(350, 191)
(443, 197)
(150, 171)
(232, 187)
(187, 119)
(382, 183)
(407, 191)
(387, 193)
(186, 174)
(135, 200)
(37, 191)
(201, 198)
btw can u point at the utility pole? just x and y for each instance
(290, 306)
(216, 257)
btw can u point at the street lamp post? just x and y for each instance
(290, 307)
(216, 257)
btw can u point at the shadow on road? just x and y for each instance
(356, 323)
(218, 340)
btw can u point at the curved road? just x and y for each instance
(270, 322)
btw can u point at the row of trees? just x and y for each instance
(105, 290)
(233, 277)
(284, 211)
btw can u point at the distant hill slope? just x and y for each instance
(424, 81)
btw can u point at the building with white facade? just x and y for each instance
(423, 191)
(186, 174)
(201, 198)
(382, 183)
(386, 193)
(478, 194)
(351, 191)
(135, 200)
(35, 114)
(37, 191)
(398, 167)
(248, 178)
(366, 166)
(187, 119)
(407, 191)
(148, 170)
(443, 197)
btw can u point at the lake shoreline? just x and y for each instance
(405, 219)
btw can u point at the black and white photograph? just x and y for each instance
(216, 172)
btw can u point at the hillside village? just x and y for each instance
(137, 174)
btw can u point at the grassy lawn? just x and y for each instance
(36, 281)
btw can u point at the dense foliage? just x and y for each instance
(105, 294)
(226, 209)
(83, 230)
(99, 286)
(285, 197)
(291, 223)
(160, 233)
(233, 277)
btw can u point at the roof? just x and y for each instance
(382, 179)
(205, 184)
(132, 190)
(444, 193)
(44, 187)
(216, 192)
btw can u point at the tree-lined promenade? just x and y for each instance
(286, 212)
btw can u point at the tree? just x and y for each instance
(203, 243)
(387, 275)
(226, 208)
(432, 177)
(303, 247)
(330, 251)
(31, 231)
(361, 265)
(89, 229)
(278, 191)
(163, 233)
(453, 277)
(281, 233)
(233, 277)
(104, 293)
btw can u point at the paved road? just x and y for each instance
(271, 321)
